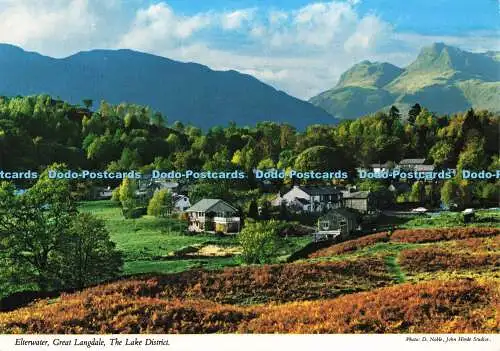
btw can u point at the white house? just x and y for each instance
(311, 198)
(411, 164)
(181, 202)
(213, 215)
(381, 167)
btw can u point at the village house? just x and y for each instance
(180, 202)
(100, 193)
(213, 215)
(362, 201)
(147, 186)
(399, 187)
(339, 221)
(411, 164)
(310, 198)
(382, 167)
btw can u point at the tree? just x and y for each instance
(259, 242)
(32, 226)
(284, 214)
(473, 156)
(211, 190)
(418, 192)
(266, 163)
(253, 210)
(161, 203)
(456, 192)
(88, 103)
(320, 158)
(394, 113)
(413, 113)
(88, 256)
(265, 211)
(42, 236)
(127, 193)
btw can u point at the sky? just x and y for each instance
(298, 46)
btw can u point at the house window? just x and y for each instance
(324, 225)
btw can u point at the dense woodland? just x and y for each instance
(37, 131)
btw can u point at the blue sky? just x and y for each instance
(425, 16)
(298, 46)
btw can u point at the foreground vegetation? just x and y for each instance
(414, 281)
(463, 306)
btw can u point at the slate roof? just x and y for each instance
(302, 201)
(206, 205)
(357, 195)
(412, 161)
(319, 190)
(424, 168)
(343, 212)
(380, 165)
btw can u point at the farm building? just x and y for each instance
(311, 198)
(360, 200)
(213, 215)
(339, 221)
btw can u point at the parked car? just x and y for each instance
(419, 210)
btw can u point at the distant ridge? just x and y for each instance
(442, 78)
(189, 92)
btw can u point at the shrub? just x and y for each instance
(115, 195)
(351, 245)
(259, 241)
(463, 306)
(160, 204)
(440, 234)
(132, 213)
(268, 283)
(430, 259)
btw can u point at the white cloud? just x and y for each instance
(302, 51)
(32, 24)
(158, 25)
(277, 18)
(236, 19)
(368, 32)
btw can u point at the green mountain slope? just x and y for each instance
(369, 74)
(189, 92)
(443, 78)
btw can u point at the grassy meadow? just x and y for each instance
(163, 245)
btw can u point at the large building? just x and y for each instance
(339, 221)
(310, 198)
(213, 215)
(362, 201)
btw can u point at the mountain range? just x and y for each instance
(189, 92)
(443, 78)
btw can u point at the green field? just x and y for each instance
(483, 218)
(155, 245)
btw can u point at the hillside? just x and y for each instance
(442, 78)
(188, 92)
(414, 281)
